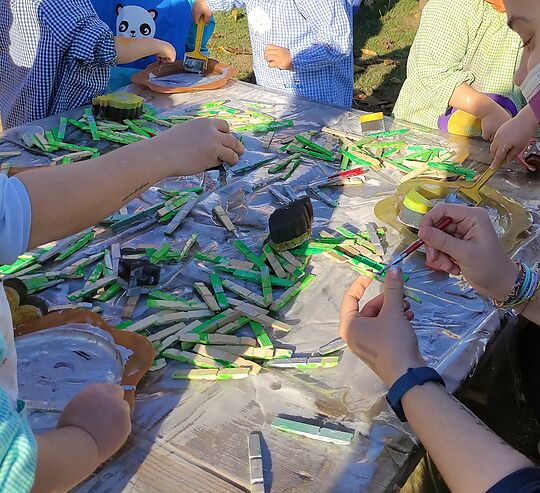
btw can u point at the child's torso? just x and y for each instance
(168, 20)
(281, 23)
(277, 22)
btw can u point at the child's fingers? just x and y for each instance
(501, 154)
(272, 50)
(233, 143)
(228, 155)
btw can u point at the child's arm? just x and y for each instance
(65, 457)
(204, 8)
(513, 137)
(92, 427)
(330, 19)
(128, 50)
(67, 199)
(80, 32)
(436, 75)
(491, 114)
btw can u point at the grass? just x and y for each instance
(230, 43)
(383, 34)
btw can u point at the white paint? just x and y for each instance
(260, 21)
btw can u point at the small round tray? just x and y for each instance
(54, 365)
(170, 78)
(138, 363)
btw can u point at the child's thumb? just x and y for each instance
(393, 291)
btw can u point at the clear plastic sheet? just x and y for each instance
(207, 423)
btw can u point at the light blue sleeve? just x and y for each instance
(220, 5)
(207, 34)
(15, 219)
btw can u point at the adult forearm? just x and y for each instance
(66, 457)
(470, 100)
(469, 455)
(68, 199)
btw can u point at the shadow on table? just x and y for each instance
(503, 393)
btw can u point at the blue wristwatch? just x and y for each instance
(413, 377)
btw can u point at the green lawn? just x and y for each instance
(383, 34)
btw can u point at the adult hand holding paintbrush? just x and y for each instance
(468, 245)
(443, 223)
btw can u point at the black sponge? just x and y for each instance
(290, 226)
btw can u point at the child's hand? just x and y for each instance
(101, 411)
(166, 53)
(278, 57)
(201, 10)
(493, 120)
(513, 137)
(196, 146)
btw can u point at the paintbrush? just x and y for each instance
(443, 223)
(195, 61)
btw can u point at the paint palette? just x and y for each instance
(171, 78)
(510, 218)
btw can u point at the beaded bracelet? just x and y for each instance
(525, 288)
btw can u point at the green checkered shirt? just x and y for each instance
(18, 448)
(462, 41)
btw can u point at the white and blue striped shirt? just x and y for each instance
(318, 34)
(55, 55)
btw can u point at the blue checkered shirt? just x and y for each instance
(318, 34)
(55, 55)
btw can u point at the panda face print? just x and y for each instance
(135, 22)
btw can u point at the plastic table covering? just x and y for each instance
(192, 436)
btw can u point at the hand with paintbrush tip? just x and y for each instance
(416, 205)
(468, 246)
(470, 457)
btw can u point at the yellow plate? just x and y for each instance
(514, 218)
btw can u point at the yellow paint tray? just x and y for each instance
(514, 219)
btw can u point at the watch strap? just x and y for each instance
(413, 377)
